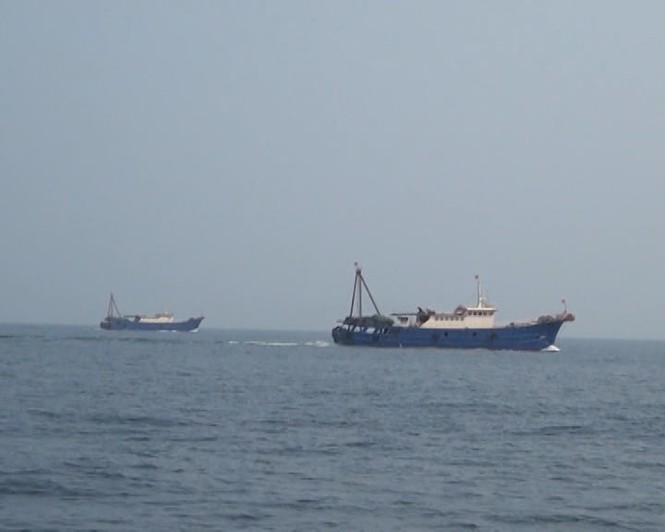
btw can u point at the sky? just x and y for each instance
(235, 158)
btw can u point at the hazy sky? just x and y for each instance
(236, 158)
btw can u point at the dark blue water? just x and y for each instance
(247, 430)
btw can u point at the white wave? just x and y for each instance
(551, 349)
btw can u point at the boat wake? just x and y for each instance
(270, 344)
(317, 343)
(267, 343)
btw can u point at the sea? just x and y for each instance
(275, 430)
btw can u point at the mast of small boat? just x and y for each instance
(358, 285)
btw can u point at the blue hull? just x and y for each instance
(520, 337)
(125, 324)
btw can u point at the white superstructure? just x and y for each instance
(160, 317)
(479, 317)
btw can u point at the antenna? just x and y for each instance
(479, 290)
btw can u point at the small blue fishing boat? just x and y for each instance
(161, 321)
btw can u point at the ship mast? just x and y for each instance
(112, 307)
(356, 298)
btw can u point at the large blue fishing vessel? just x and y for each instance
(162, 321)
(463, 328)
